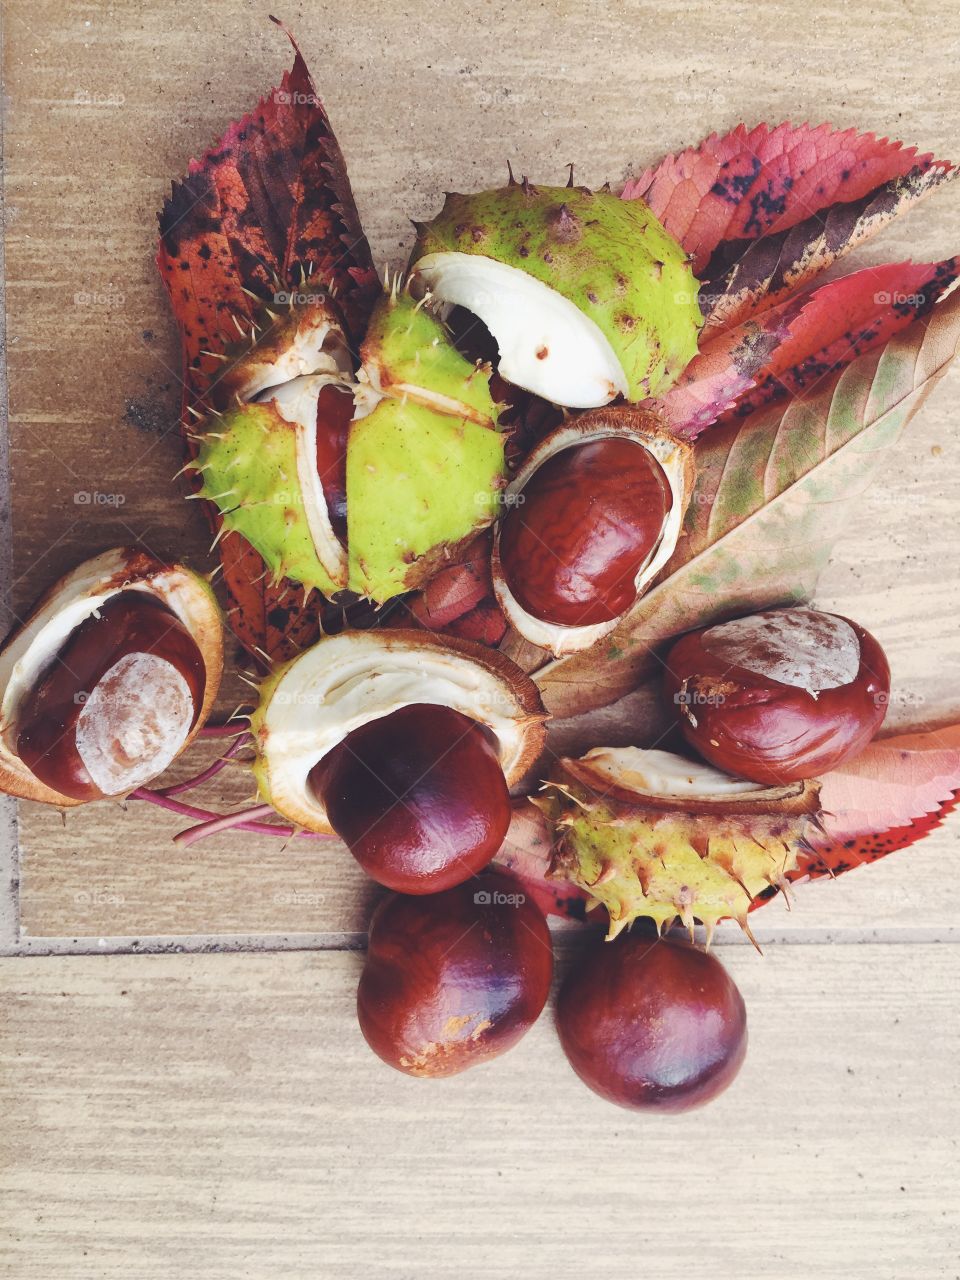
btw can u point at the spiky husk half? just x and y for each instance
(251, 460)
(626, 282)
(674, 858)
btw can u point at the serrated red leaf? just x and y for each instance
(828, 328)
(791, 348)
(745, 278)
(723, 371)
(763, 181)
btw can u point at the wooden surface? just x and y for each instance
(219, 1116)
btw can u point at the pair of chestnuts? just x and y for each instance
(455, 979)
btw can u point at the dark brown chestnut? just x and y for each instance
(117, 703)
(586, 522)
(418, 796)
(334, 415)
(779, 696)
(454, 979)
(652, 1024)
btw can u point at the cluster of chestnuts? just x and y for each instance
(406, 746)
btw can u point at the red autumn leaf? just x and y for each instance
(840, 321)
(745, 278)
(268, 206)
(897, 791)
(762, 181)
(723, 371)
(793, 347)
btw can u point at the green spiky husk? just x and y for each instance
(248, 461)
(640, 860)
(611, 258)
(407, 352)
(419, 484)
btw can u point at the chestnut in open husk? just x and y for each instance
(108, 679)
(402, 742)
(456, 978)
(418, 797)
(652, 1024)
(781, 695)
(591, 518)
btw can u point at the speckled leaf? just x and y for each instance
(723, 371)
(745, 277)
(771, 498)
(763, 181)
(267, 204)
(840, 321)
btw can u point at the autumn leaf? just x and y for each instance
(771, 498)
(842, 320)
(763, 181)
(723, 371)
(745, 278)
(790, 348)
(268, 207)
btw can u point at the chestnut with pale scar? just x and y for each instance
(108, 680)
(779, 696)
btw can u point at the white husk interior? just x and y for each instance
(296, 401)
(348, 680)
(580, 369)
(318, 346)
(662, 773)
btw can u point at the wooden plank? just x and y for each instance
(220, 1116)
(106, 105)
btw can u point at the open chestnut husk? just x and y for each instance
(588, 522)
(779, 696)
(454, 979)
(108, 680)
(404, 744)
(652, 1024)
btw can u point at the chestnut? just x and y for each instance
(652, 1024)
(779, 696)
(589, 520)
(116, 703)
(456, 978)
(418, 796)
(334, 416)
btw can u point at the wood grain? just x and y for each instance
(220, 1116)
(106, 104)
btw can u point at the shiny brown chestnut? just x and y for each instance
(418, 796)
(454, 979)
(652, 1024)
(781, 695)
(589, 520)
(117, 702)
